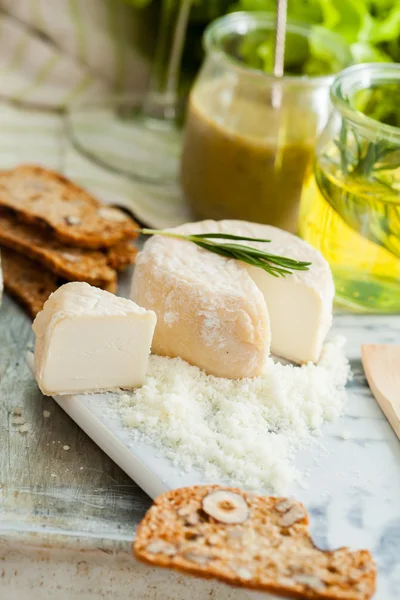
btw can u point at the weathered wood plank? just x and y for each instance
(42, 483)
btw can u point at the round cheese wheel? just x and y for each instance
(221, 314)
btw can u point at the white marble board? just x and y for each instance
(353, 471)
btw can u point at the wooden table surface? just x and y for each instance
(60, 493)
(44, 485)
(68, 516)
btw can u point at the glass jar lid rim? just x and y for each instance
(352, 79)
(250, 20)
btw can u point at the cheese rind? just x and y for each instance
(89, 340)
(209, 311)
(223, 315)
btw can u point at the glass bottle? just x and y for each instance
(139, 135)
(245, 156)
(350, 207)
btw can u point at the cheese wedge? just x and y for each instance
(89, 340)
(223, 315)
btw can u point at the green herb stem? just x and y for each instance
(278, 266)
(362, 157)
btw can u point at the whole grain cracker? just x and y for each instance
(269, 550)
(28, 282)
(121, 255)
(46, 198)
(70, 263)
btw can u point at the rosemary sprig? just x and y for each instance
(278, 266)
(359, 177)
(359, 156)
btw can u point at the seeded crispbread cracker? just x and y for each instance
(251, 541)
(71, 263)
(121, 255)
(28, 282)
(46, 198)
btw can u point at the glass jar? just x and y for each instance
(249, 136)
(350, 208)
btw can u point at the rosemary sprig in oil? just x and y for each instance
(359, 178)
(278, 266)
(360, 157)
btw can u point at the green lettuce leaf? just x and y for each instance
(371, 27)
(137, 3)
(365, 52)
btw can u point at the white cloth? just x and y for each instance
(52, 53)
(55, 51)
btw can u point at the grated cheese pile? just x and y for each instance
(245, 431)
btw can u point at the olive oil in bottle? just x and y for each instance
(350, 208)
(357, 228)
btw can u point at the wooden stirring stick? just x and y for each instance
(279, 55)
(280, 37)
(382, 368)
